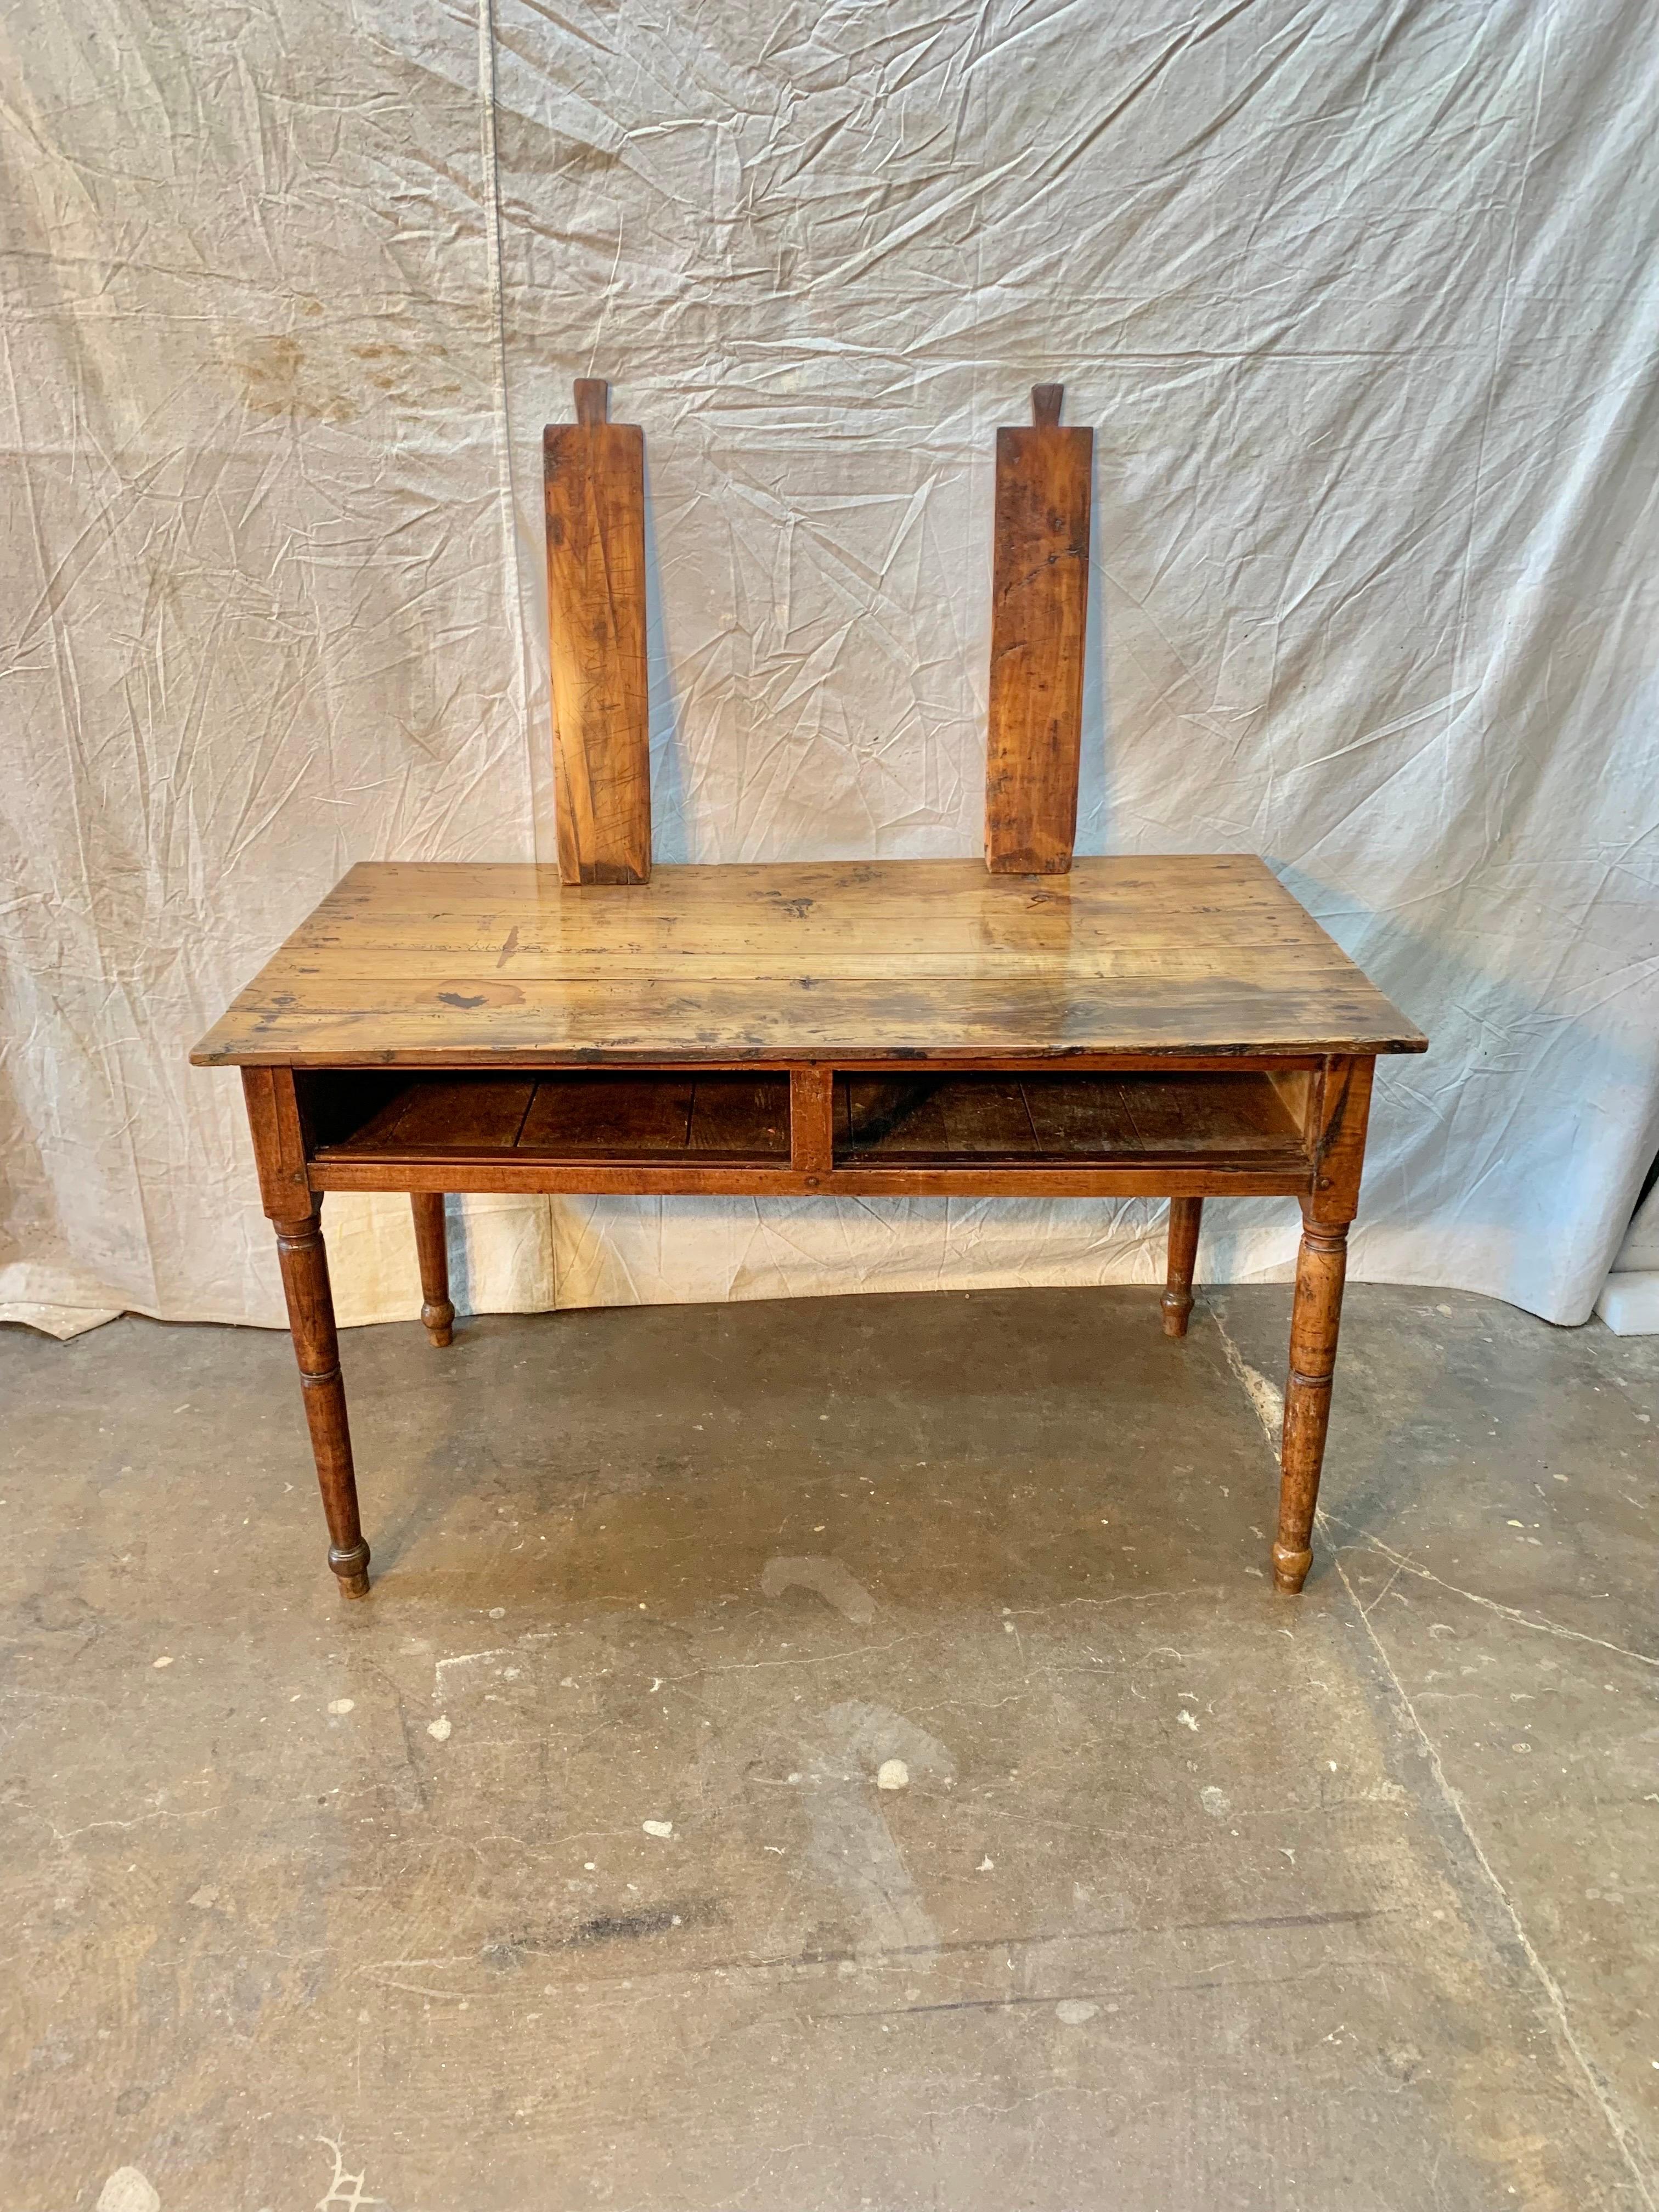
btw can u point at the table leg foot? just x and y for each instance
(352, 1568)
(432, 1244)
(1321, 1264)
(1291, 1569)
(1185, 1216)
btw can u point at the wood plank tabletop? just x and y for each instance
(457, 964)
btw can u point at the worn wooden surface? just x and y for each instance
(576, 1117)
(463, 964)
(1039, 613)
(594, 474)
(604, 1116)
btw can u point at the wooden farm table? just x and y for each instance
(1115, 1028)
(1175, 1028)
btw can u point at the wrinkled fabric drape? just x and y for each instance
(1361, 301)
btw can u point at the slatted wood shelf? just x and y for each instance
(623, 1119)
(1237, 1121)
(676, 1129)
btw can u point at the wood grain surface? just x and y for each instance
(1039, 612)
(468, 964)
(595, 473)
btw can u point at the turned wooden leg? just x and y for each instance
(433, 1246)
(1320, 1267)
(316, 1346)
(1185, 1215)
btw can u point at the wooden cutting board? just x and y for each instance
(594, 472)
(1040, 596)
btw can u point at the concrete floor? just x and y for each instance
(558, 1875)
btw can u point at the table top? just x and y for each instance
(435, 963)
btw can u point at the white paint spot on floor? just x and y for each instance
(342, 1706)
(165, 1660)
(1187, 1720)
(342, 2180)
(986, 1866)
(657, 1827)
(206, 1898)
(828, 1578)
(1075, 2011)
(1216, 1802)
(892, 1774)
(128, 2190)
(498, 1612)
(440, 1729)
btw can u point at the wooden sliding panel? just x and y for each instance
(595, 482)
(1039, 607)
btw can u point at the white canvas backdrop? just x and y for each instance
(1361, 300)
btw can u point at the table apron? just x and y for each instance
(456, 1173)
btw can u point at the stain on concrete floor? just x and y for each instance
(559, 1873)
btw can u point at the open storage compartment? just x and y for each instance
(1213, 1119)
(1238, 1121)
(646, 1119)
